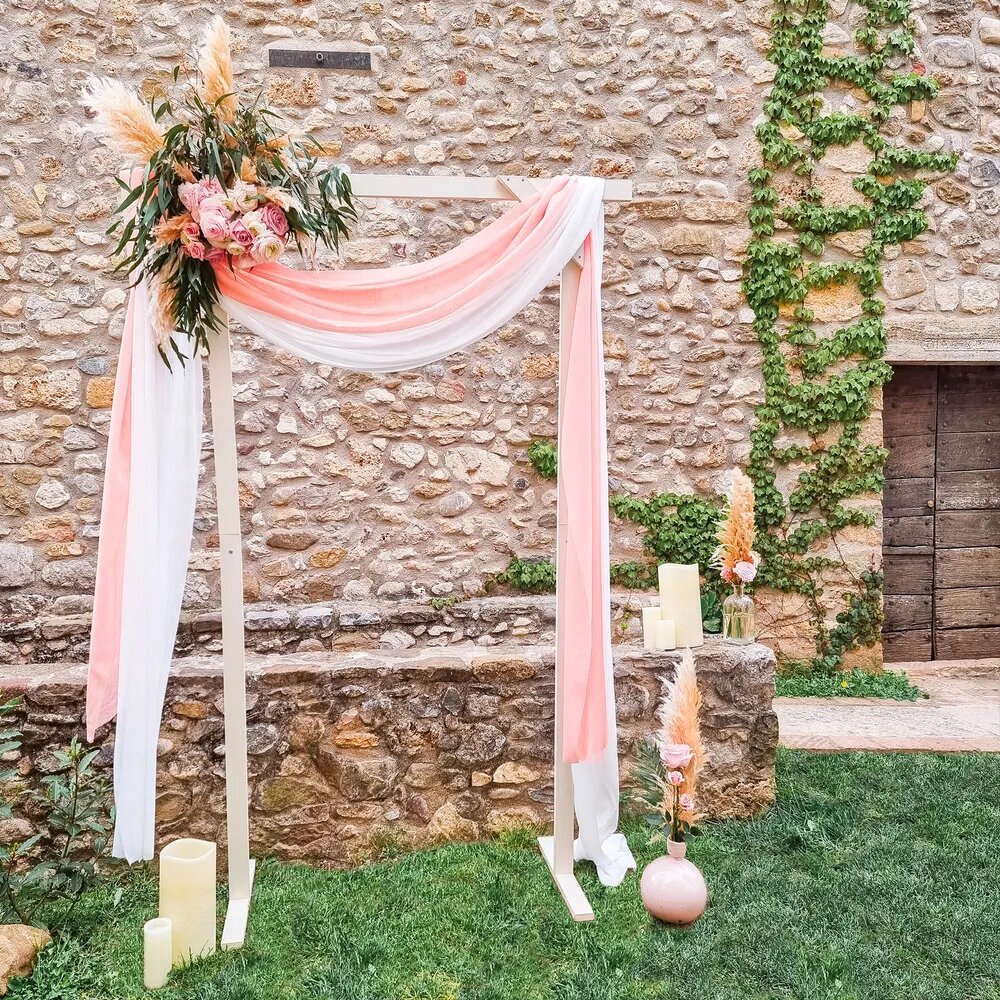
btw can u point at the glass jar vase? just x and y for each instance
(738, 618)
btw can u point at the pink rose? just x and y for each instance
(215, 228)
(267, 247)
(193, 195)
(216, 256)
(727, 575)
(675, 778)
(190, 233)
(676, 755)
(687, 802)
(240, 233)
(195, 250)
(274, 219)
(746, 571)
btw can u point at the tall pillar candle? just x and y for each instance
(680, 599)
(157, 955)
(187, 897)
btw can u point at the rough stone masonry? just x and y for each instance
(414, 746)
(415, 486)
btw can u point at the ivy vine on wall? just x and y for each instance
(808, 461)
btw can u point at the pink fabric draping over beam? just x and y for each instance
(383, 320)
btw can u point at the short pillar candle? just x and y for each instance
(666, 634)
(650, 617)
(187, 897)
(157, 956)
(680, 600)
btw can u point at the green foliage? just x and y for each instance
(848, 684)
(819, 386)
(530, 576)
(10, 742)
(711, 610)
(59, 864)
(543, 456)
(680, 528)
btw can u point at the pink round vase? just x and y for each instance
(672, 888)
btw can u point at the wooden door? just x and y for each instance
(942, 513)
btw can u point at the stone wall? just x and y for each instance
(415, 746)
(415, 486)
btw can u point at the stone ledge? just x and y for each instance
(426, 744)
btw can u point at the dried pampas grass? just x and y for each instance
(737, 531)
(162, 309)
(215, 64)
(679, 719)
(122, 117)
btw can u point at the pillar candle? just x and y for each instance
(680, 600)
(157, 957)
(650, 616)
(666, 634)
(187, 897)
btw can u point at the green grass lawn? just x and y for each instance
(848, 684)
(874, 878)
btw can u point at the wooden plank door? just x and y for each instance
(967, 519)
(910, 431)
(941, 549)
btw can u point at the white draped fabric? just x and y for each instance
(166, 425)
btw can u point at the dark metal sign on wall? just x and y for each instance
(320, 59)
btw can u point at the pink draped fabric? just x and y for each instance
(384, 301)
(373, 320)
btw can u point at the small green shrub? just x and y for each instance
(59, 864)
(543, 456)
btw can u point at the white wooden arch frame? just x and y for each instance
(556, 849)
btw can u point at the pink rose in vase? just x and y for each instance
(273, 217)
(676, 755)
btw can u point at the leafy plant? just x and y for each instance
(544, 458)
(820, 386)
(10, 742)
(711, 610)
(60, 863)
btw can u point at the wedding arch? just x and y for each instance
(383, 320)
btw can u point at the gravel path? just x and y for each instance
(961, 714)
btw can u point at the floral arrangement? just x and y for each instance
(735, 556)
(219, 182)
(670, 762)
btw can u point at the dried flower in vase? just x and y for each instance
(735, 555)
(670, 762)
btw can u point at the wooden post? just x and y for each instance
(558, 849)
(233, 664)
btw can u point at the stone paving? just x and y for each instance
(961, 713)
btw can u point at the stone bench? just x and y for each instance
(420, 745)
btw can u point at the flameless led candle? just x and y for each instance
(666, 634)
(157, 958)
(650, 617)
(187, 897)
(680, 600)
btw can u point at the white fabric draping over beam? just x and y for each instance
(387, 320)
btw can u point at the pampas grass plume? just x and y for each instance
(215, 63)
(122, 117)
(737, 531)
(679, 719)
